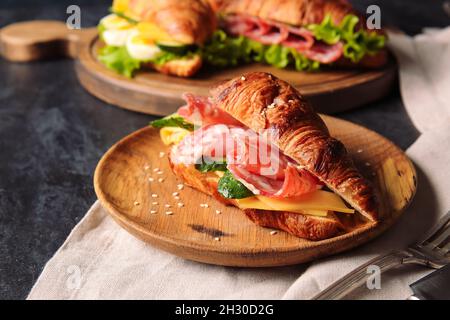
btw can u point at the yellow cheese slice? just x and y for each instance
(255, 203)
(152, 31)
(120, 5)
(114, 22)
(316, 203)
(219, 173)
(172, 135)
(317, 200)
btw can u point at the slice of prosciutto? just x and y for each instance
(271, 32)
(200, 111)
(324, 53)
(252, 160)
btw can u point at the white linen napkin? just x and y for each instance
(99, 260)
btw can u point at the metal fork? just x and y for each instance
(431, 251)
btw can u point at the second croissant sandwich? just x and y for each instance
(258, 145)
(302, 33)
(160, 34)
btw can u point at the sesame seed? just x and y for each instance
(160, 179)
(206, 205)
(273, 232)
(146, 167)
(152, 211)
(217, 239)
(154, 195)
(154, 203)
(136, 203)
(160, 172)
(161, 154)
(180, 204)
(243, 78)
(367, 164)
(167, 205)
(156, 169)
(180, 186)
(169, 213)
(175, 194)
(218, 212)
(359, 150)
(151, 179)
(176, 198)
(202, 205)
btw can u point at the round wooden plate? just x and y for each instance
(123, 186)
(329, 91)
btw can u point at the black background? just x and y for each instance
(52, 133)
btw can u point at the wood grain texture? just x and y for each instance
(42, 39)
(330, 91)
(122, 185)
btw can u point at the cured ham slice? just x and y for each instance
(200, 111)
(267, 33)
(257, 163)
(299, 38)
(324, 53)
(270, 32)
(257, 29)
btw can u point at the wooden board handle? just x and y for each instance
(41, 39)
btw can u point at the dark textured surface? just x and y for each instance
(52, 133)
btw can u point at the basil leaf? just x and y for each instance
(172, 121)
(208, 165)
(229, 187)
(118, 60)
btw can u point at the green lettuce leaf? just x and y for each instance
(326, 31)
(357, 43)
(226, 51)
(302, 63)
(223, 51)
(230, 188)
(101, 28)
(118, 60)
(172, 121)
(277, 56)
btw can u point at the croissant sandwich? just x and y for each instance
(161, 34)
(304, 34)
(257, 144)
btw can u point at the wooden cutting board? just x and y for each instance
(329, 91)
(123, 186)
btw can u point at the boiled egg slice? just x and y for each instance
(114, 22)
(117, 30)
(141, 48)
